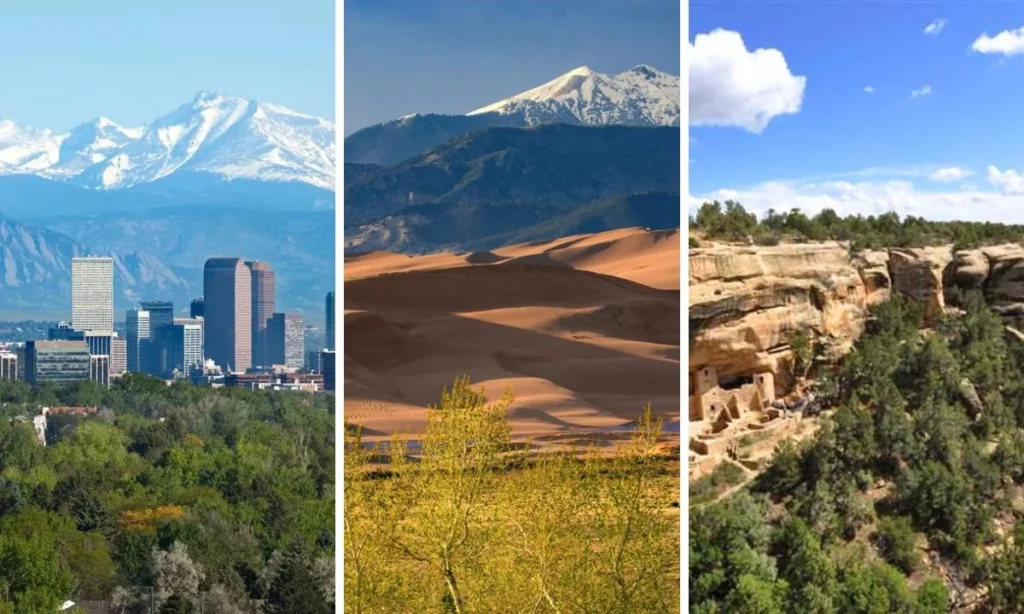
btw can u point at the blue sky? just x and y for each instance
(453, 56)
(837, 145)
(68, 61)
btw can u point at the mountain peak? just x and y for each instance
(582, 71)
(207, 96)
(641, 96)
(645, 70)
(214, 133)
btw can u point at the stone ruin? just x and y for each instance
(740, 419)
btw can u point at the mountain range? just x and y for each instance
(226, 137)
(478, 189)
(223, 175)
(575, 153)
(641, 96)
(217, 176)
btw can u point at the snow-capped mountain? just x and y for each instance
(228, 137)
(641, 96)
(25, 149)
(88, 144)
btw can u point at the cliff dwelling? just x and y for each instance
(737, 417)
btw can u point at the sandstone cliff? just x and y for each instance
(748, 303)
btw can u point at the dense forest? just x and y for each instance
(729, 221)
(169, 499)
(464, 521)
(908, 499)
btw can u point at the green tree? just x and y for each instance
(296, 587)
(898, 543)
(753, 595)
(806, 567)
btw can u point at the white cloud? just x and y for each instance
(868, 89)
(951, 174)
(1002, 202)
(935, 27)
(924, 91)
(1007, 42)
(731, 86)
(1011, 181)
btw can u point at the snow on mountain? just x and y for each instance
(88, 144)
(26, 150)
(641, 96)
(273, 143)
(233, 138)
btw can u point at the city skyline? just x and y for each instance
(157, 342)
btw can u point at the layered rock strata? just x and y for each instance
(748, 303)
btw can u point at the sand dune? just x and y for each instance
(584, 330)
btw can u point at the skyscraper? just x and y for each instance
(286, 340)
(92, 293)
(196, 310)
(330, 320)
(327, 368)
(227, 290)
(200, 322)
(263, 299)
(137, 325)
(184, 341)
(161, 318)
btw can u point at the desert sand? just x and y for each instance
(583, 329)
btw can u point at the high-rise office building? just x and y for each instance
(313, 361)
(137, 341)
(263, 304)
(329, 319)
(287, 345)
(64, 332)
(327, 366)
(161, 313)
(227, 294)
(118, 357)
(184, 342)
(92, 293)
(57, 361)
(199, 321)
(196, 309)
(99, 342)
(8, 365)
(161, 318)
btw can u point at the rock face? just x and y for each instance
(1004, 286)
(918, 274)
(748, 303)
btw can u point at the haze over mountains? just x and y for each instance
(524, 168)
(219, 175)
(223, 175)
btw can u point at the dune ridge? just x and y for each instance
(584, 330)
